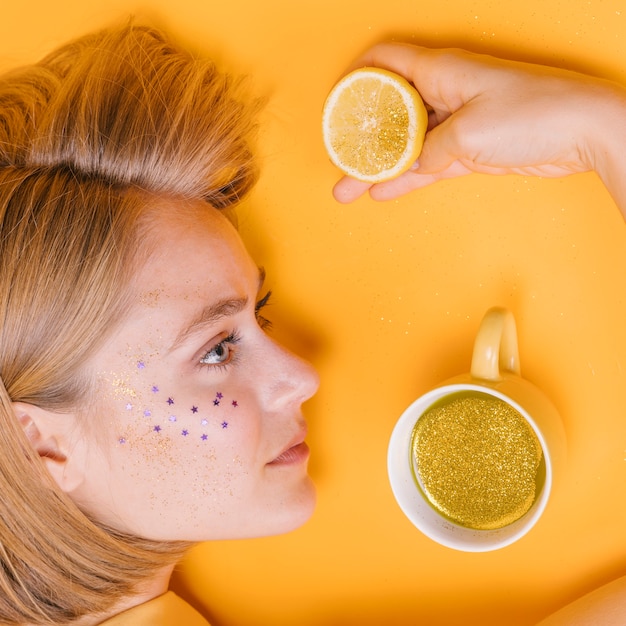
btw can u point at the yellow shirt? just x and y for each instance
(166, 610)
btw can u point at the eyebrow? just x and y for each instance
(213, 313)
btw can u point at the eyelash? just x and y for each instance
(263, 322)
(233, 338)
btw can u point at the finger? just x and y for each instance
(404, 184)
(400, 58)
(446, 78)
(413, 180)
(348, 190)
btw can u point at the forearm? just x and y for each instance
(606, 140)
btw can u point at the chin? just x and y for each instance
(276, 517)
(296, 512)
(307, 505)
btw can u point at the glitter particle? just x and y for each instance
(477, 460)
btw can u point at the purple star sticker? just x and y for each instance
(184, 433)
(204, 437)
(155, 389)
(194, 409)
(216, 402)
(157, 429)
(170, 401)
(224, 424)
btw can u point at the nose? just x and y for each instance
(291, 380)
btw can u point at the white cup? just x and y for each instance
(495, 372)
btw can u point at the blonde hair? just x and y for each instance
(88, 137)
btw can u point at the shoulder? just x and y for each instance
(606, 606)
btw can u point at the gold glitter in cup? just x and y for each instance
(477, 460)
(472, 462)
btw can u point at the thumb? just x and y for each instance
(440, 149)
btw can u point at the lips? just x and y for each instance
(296, 452)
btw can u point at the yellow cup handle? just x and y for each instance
(495, 347)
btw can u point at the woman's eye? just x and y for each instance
(215, 356)
(221, 353)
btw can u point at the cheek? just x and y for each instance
(196, 452)
(161, 415)
(170, 488)
(180, 417)
(207, 440)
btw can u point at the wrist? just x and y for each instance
(604, 139)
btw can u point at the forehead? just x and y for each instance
(194, 251)
(195, 259)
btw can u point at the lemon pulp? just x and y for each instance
(374, 124)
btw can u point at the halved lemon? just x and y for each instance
(373, 124)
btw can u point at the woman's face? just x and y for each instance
(200, 433)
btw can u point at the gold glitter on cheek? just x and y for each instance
(151, 298)
(477, 460)
(121, 387)
(147, 443)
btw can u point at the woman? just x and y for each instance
(143, 406)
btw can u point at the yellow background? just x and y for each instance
(385, 299)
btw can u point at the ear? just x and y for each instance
(54, 436)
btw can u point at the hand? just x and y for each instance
(498, 117)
